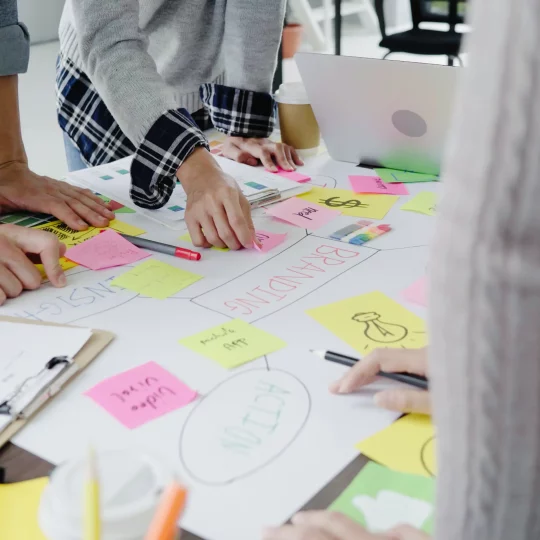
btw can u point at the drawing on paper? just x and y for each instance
(380, 331)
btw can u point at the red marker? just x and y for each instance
(175, 251)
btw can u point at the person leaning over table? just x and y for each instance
(146, 77)
(21, 189)
(484, 311)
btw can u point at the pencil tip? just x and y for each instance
(92, 465)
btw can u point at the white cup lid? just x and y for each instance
(293, 93)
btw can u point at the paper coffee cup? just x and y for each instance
(297, 122)
(131, 484)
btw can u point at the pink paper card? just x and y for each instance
(268, 240)
(373, 184)
(302, 213)
(417, 292)
(141, 394)
(292, 175)
(104, 251)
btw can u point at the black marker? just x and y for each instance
(414, 380)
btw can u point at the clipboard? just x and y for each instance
(91, 349)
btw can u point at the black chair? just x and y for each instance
(422, 41)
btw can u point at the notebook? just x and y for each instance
(259, 186)
(37, 361)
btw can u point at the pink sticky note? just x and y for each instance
(292, 175)
(417, 292)
(104, 251)
(302, 213)
(268, 240)
(141, 394)
(373, 184)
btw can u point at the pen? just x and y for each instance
(92, 523)
(175, 251)
(414, 380)
(171, 505)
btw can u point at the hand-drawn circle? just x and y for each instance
(427, 456)
(201, 455)
(409, 123)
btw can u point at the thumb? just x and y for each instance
(409, 401)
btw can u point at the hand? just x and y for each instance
(325, 525)
(21, 189)
(217, 212)
(16, 270)
(251, 151)
(392, 360)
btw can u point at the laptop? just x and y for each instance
(381, 113)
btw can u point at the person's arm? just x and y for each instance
(243, 108)
(484, 352)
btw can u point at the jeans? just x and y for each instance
(73, 155)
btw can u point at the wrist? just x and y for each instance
(197, 168)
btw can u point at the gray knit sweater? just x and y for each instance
(146, 57)
(485, 287)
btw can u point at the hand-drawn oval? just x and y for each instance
(242, 425)
(87, 293)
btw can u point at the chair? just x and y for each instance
(423, 41)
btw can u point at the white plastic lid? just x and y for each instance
(130, 486)
(293, 93)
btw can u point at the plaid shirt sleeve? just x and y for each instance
(168, 143)
(239, 113)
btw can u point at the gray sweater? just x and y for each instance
(14, 42)
(146, 57)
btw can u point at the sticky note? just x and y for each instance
(233, 343)
(141, 394)
(187, 238)
(115, 206)
(156, 279)
(295, 176)
(373, 184)
(105, 250)
(407, 446)
(423, 203)
(350, 203)
(64, 263)
(395, 175)
(125, 228)
(380, 499)
(417, 292)
(302, 214)
(370, 321)
(268, 240)
(19, 503)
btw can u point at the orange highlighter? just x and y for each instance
(169, 510)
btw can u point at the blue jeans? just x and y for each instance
(73, 155)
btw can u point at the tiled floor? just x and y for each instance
(43, 138)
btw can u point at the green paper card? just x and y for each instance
(391, 176)
(234, 343)
(380, 499)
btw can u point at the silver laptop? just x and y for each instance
(381, 112)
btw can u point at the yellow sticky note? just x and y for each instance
(350, 203)
(424, 203)
(70, 237)
(233, 343)
(19, 509)
(408, 446)
(372, 320)
(187, 238)
(65, 264)
(125, 228)
(156, 279)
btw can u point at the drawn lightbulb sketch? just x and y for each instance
(380, 331)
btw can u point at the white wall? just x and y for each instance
(41, 17)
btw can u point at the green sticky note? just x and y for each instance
(234, 343)
(124, 210)
(156, 279)
(187, 238)
(407, 177)
(380, 498)
(423, 203)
